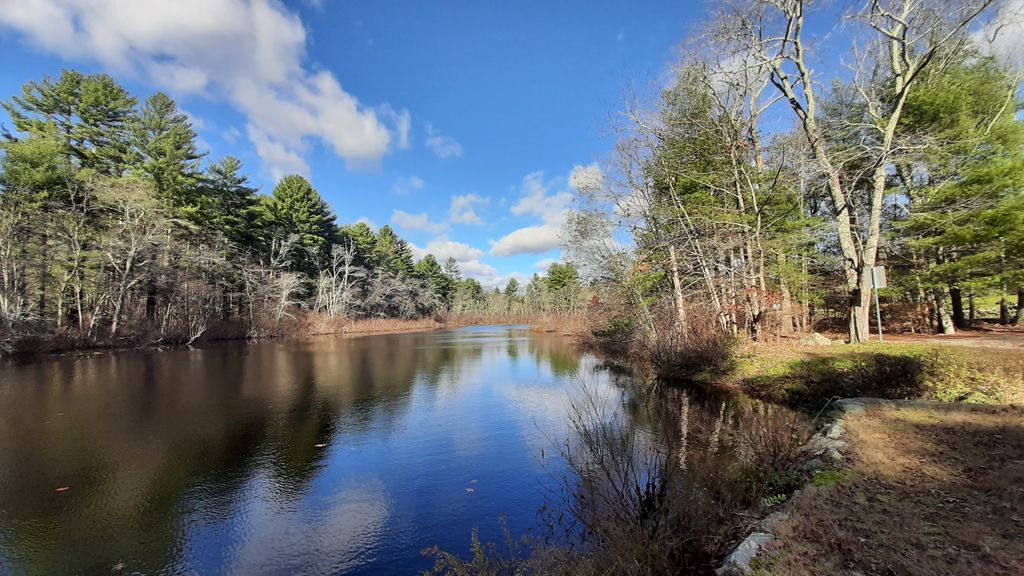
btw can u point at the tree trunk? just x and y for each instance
(677, 290)
(860, 307)
(1020, 307)
(957, 300)
(1004, 307)
(151, 302)
(942, 317)
(972, 313)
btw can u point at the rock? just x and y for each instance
(816, 445)
(813, 465)
(738, 561)
(833, 455)
(851, 405)
(815, 339)
(773, 520)
(834, 430)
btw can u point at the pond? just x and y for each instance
(325, 456)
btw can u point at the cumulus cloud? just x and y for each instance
(545, 263)
(416, 222)
(468, 258)
(535, 199)
(551, 208)
(402, 122)
(250, 53)
(587, 178)
(442, 248)
(403, 186)
(462, 212)
(1003, 36)
(279, 159)
(528, 240)
(444, 147)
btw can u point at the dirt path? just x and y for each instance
(927, 490)
(1009, 337)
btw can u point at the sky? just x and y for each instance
(462, 124)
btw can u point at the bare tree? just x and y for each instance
(136, 229)
(335, 287)
(896, 41)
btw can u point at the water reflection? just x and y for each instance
(334, 455)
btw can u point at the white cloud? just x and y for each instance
(250, 53)
(403, 186)
(231, 135)
(468, 258)
(550, 207)
(545, 263)
(364, 220)
(442, 248)
(483, 273)
(444, 147)
(587, 178)
(280, 160)
(416, 222)
(536, 200)
(461, 211)
(197, 122)
(1003, 37)
(500, 281)
(403, 124)
(528, 240)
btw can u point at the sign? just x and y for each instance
(878, 277)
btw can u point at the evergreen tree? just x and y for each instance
(297, 208)
(511, 293)
(562, 277)
(963, 188)
(90, 116)
(231, 203)
(363, 240)
(167, 153)
(391, 252)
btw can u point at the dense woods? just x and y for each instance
(115, 227)
(764, 186)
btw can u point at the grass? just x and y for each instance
(928, 490)
(808, 378)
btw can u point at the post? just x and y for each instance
(878, 308)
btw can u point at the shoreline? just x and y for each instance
(298, 331)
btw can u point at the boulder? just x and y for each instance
(813, 465)
(815, 339)
(738, 561)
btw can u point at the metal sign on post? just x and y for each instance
(877, 283)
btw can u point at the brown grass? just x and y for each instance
(930, 490)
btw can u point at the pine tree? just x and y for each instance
(362, 239)
(297, 208)
(391, 252)
(230, 203)
(90, 116)
(963, 189)
(511, 293)
(166, 146)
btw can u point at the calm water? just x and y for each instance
(330, 456)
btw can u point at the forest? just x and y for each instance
(756, 196)
(115, 228)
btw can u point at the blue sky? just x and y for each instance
(459, 123)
